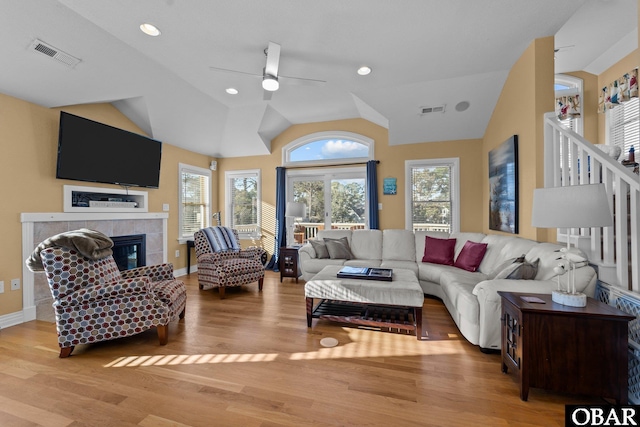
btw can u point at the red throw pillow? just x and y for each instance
(439, 251)
(471, 255)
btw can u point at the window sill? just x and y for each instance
(257, 236)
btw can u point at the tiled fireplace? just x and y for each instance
(36, 227)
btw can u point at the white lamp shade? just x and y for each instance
(295, 209)
(573, 206)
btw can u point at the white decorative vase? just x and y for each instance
(571, 300)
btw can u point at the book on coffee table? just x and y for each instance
(368, 273)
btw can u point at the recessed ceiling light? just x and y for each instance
(231, 91)
(150, 30)
(364, 70)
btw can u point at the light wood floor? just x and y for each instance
(250, 360)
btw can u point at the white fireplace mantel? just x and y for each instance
(29, 220)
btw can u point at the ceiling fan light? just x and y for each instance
(150, 29)
(270, 83)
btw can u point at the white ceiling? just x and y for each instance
(423, 53)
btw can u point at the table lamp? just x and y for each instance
(295, 210)
(573, 206)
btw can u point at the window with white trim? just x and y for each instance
(194, 194)
(622, 127)
(432, 195)
(243, 202)
(566, 85)
(326, 148)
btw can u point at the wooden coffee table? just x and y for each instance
(389, 305)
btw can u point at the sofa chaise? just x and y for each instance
(471, 297)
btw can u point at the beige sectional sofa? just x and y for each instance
(470, 297)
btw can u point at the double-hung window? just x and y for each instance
(622, 126)
(432, 195)
(195, 190)
(243, 202)
(567, 87)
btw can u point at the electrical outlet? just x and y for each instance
(165, 207)
(15, 284)
(1, 286)
(177, 253)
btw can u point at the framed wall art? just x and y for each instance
(503, 186)
(389, 186)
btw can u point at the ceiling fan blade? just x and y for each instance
(226, 70)
(273, 59)
(266, 95)
(302, 81)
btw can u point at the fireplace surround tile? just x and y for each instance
(47, 225)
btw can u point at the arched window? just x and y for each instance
(327, 148)
(566, 87)
(333, 197)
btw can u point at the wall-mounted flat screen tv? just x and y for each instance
(95, 152)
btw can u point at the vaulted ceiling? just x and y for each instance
(423, 53)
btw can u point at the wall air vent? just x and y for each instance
(428, 110)
(54, 53)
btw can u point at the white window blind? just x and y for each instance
(623, 126)
(194, 199)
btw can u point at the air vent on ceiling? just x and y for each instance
(54, 53)
(428, 110)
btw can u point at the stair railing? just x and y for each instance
(569, 159)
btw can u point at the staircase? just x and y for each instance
(569, 159)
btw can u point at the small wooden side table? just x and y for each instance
(289, 266)
(579, 350)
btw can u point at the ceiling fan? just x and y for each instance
(270, 77)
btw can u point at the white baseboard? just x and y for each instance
(16, 318)
(183, 271)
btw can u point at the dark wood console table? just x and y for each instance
(190, 244)
(580, 350)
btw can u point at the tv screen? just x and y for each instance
(92, 151)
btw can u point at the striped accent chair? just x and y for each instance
(221, 262)
(93, 301)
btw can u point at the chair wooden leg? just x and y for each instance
(65, 351)
(260, 281)
(182, 314)
(163, 334)
(221, 291)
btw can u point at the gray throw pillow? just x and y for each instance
(320, 248)
(338, 248)
(494, 273)
(520, 271)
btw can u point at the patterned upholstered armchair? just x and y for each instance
(93, 301)
(222, 265)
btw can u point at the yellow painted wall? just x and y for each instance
(527, 94)
(392, 160)
(28, 147)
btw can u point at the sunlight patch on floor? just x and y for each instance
(189, 359)
(361, 344)
(352, 343)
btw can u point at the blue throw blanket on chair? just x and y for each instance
(221, 239)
